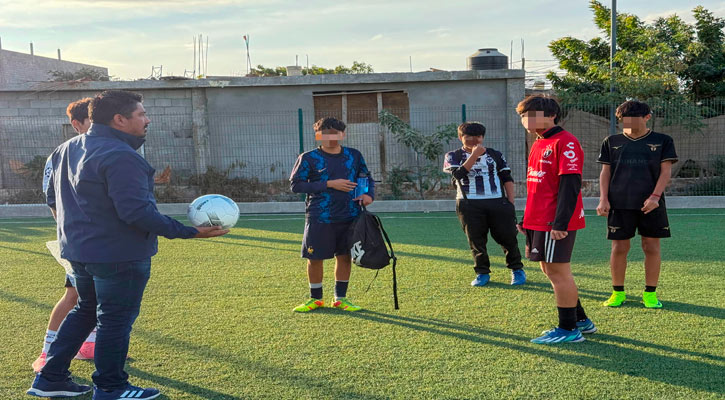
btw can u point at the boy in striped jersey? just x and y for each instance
(485, 201)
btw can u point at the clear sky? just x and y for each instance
(129, 37)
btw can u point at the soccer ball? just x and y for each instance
(213, 210)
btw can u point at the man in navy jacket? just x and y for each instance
(101, 193)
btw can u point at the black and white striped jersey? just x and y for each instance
(485, 180)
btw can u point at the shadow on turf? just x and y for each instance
(260, 370)
(178, 385)
(37, 253)
(263, 371)
(20, 233)
(253, 245)
(600, 351)
(676, 306)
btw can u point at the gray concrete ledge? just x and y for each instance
(298, 207)
(330, 79)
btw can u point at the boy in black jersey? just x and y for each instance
(636, 168)
(485, 201)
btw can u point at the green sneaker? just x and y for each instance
(345, 304)
(310, 305)
(650, 300)
(616, 299)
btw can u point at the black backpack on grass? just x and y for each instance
(367, 246)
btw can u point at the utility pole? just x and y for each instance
(612, 67)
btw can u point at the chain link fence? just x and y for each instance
(248, 156)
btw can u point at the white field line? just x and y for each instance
(301, 217)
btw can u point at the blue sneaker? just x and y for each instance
(129, 392)
(558, 335)
(586, 326)
(518, 277)
(481, 280)
(41, 387)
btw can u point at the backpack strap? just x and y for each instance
(395, 261)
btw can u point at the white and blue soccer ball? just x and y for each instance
(213, 210)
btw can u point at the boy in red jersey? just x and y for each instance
(554, 212)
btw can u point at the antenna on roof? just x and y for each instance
(523, 59)
(249, 60)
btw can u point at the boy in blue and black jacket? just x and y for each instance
(328, 176)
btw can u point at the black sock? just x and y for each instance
(618, 288)
(316, 292)
(650, 288)
(567, 318)
(580, 314)
(340, 289)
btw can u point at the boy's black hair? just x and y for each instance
(539, 102)
(78, 110)
(111, 102)
(471, 129)
(329, 123)
(633, 108)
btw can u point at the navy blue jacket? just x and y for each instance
(310, 175)
(103, 193)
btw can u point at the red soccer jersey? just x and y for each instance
(552, 156)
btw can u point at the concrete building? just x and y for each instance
(259, 125)
(20, 68)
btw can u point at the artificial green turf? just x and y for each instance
(216, 321)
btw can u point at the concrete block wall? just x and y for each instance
(200, 123)
(21, 68)
(33, 123)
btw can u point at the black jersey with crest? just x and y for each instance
(635, 167)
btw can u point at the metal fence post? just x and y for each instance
(463, 113)
(301, 130)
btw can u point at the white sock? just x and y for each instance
(49, 338)
(91, 337)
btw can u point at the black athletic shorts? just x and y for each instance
(621, 224)
(324, 241)
(541, 247)
(68, 283)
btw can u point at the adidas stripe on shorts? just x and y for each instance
(541, 247)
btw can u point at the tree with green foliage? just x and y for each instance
(83, 74)
(668, 63)
(428, 174)
(666, 57)
(356, 68)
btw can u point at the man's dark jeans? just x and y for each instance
(109, 297)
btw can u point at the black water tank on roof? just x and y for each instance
(487, 59)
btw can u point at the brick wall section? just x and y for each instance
(21, 68)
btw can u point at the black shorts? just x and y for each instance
(621, 224)
(68, 282)
(541, 247)
(324, 241)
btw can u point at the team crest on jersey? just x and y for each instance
(547, 152)
(489, 160)
(614, 229)
(653, 147)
